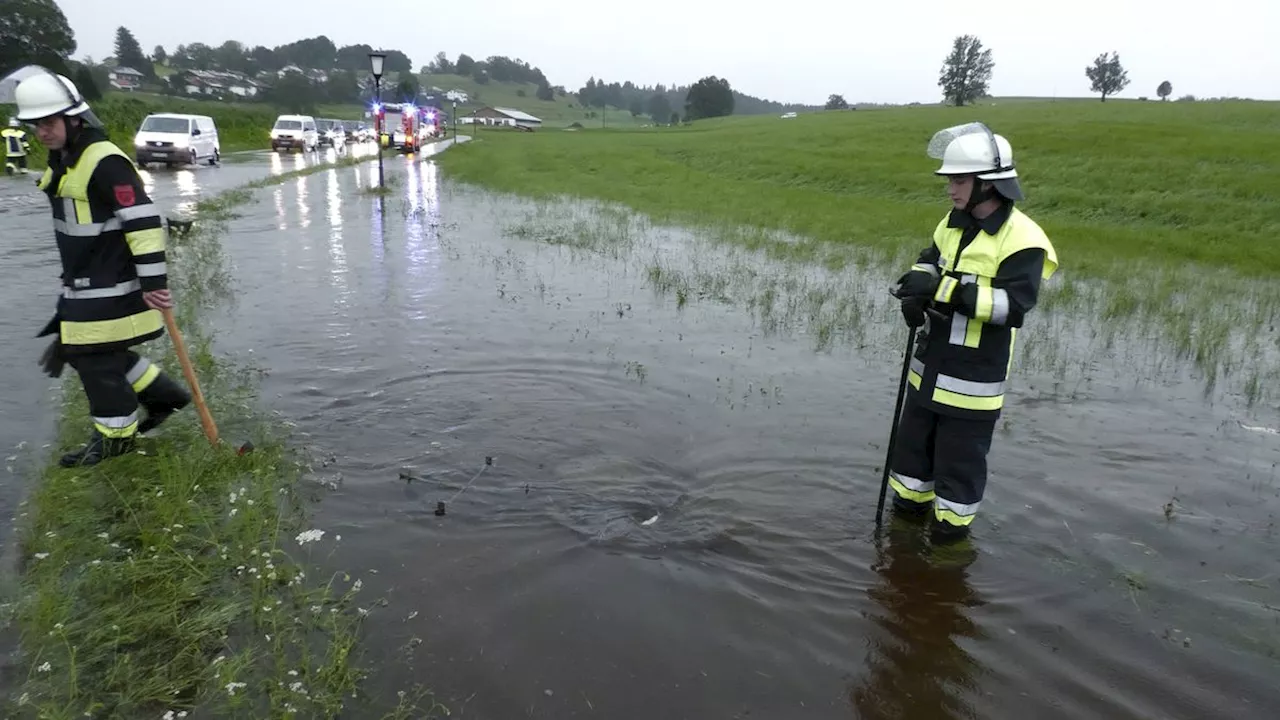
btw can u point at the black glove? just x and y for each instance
(51, 360)
(913, 309)
(916, 283)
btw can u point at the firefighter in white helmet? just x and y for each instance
(16, 147)
(971, 288)
(111, 239)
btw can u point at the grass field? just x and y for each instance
(1155, 184)
(1163, 215)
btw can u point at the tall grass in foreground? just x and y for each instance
(178, 580)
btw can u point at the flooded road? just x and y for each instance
(29, 258)
(1124, 564)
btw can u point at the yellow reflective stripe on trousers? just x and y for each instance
(967, 394)
(954, 513)
(109, 331)
(117, 427)
(142, 374)
(909, 488)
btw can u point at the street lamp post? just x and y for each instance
(376, 59)
(455, 119)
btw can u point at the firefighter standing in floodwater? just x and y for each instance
(16, 147)
(112, 242)
(975, 285)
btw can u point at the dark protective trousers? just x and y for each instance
(941, 461)
(112, 381)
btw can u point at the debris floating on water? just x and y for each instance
(650, 521)
(1259, 428)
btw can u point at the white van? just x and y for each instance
(295, 131)
(175, 139)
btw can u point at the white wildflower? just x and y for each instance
(356, 587)
(40, 556)
(219, 659)
(103, 536)
(233, 686)
(46, 667)
(233, 512)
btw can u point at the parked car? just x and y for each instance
(295, 131)
(175, 139)
(329, 132)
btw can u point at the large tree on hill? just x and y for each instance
(1107, 75)
(159, 55)
(836, 102)
(1165, 90)
(129, 52)
(85, 83)
(709, 97)
(966, 73)
(659, 107)
(34, 31)
(465, 64)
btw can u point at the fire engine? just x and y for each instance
(406, 127)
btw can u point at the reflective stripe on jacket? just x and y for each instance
(990, 272)
(112, 242)
(15, 142)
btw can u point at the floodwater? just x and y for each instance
(1124, 565)
(29, 259)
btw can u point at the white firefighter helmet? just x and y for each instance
(45, 94)
(972, 149)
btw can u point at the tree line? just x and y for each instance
(966, 73)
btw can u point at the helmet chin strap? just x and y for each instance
(978, 195)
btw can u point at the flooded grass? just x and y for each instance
(851, 195)
(179, 580)
(1210, 323)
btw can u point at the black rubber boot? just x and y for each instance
(162, 398)
(98, 448)
(944, 533)
(909, 510)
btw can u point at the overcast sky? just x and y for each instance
(791, 51)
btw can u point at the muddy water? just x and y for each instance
(29, 260)
(1124, 564)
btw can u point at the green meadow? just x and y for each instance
(1163, 214)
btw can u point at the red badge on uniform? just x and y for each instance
(124, 195)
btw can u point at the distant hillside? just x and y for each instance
(309, 73)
